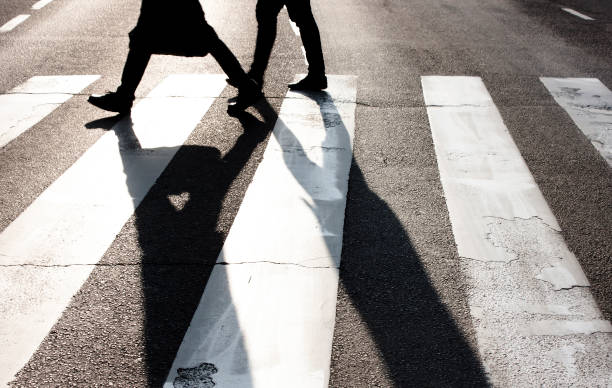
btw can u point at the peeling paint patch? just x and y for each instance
(566, 356)
(563, 276)
(521, 238)
(538, 244)
(514, 256)
(198, 377)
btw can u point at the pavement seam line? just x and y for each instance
(280, 263)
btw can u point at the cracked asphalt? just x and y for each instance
(402, 313)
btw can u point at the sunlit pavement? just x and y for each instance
(441, 215)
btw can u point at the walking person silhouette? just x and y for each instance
(301, 14)
(174, 28)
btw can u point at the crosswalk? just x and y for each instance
(504, 229)
(17, 20)
(244, 331)
(27, 104)
(75, 220)
(589, 104)
(288, 240)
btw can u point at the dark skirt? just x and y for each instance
(172, 27)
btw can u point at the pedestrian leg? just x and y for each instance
(301, 13)
(227, 60)
(266, 12)
(133, 70)
(248, 90)
(121, 100)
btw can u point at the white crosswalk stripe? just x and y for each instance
(578, 14)
(288, 239)
(14, 22)
(41, 4)
(589, 104)
(266, 317)
(510, 245)
(51, 248)
(27, 104)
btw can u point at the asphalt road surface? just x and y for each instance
(440, 216)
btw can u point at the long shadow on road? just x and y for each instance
(387, 284)
(419, 341)
(177, 226)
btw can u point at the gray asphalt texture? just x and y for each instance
(402, 318)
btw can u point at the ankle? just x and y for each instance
(317, 76)
(124, 93)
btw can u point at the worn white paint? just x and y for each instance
(306, 163)
(589, 104)
(267, 314)
(479, 160)
(40, 4)
(578, 14)
(27, 104)
(14, 22)
(566, 356)
(518, 266)
(50, 249)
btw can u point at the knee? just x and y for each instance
(303, 19)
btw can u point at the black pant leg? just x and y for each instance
(266, 12)
(301, 13)
(225, 58)
(133, 70)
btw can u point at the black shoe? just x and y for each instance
(247, 96)
(231, 82)
(112, 102)
(310, 82)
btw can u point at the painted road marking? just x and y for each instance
(576, 13)
(589, 104)
(27, 104)
(48, 252)
(40, 4)
(267, 315)
(528, 292)
(14, 22)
